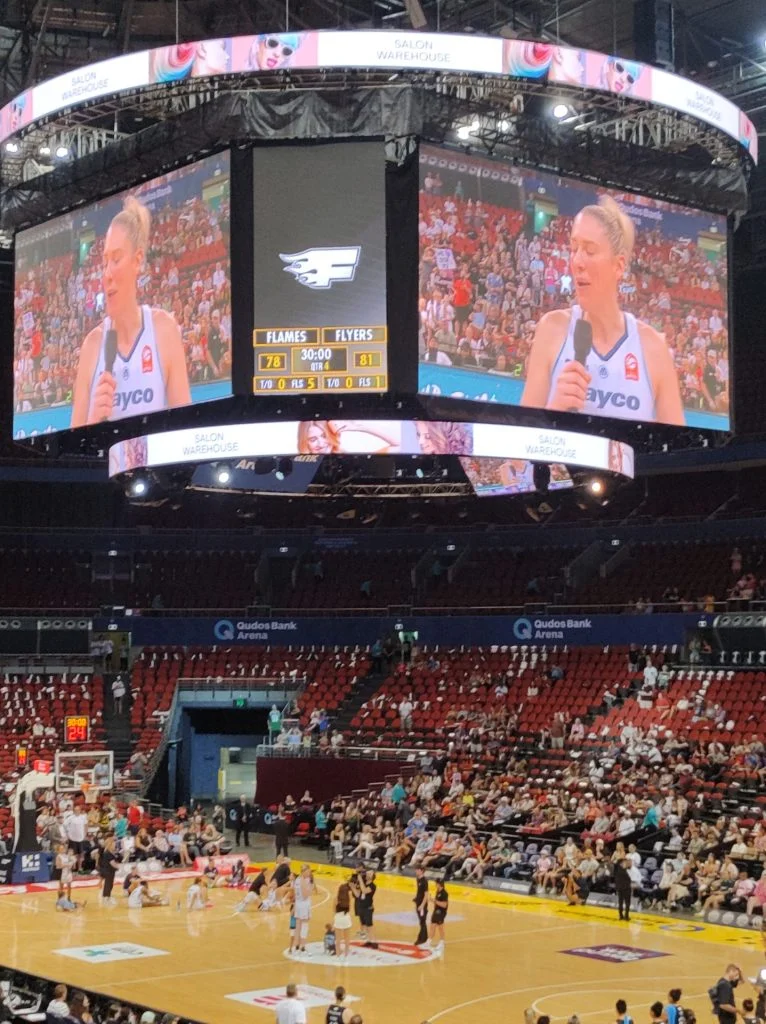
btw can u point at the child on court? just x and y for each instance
(237, 877)
(195, 898)
(65, 903)
(270, 902)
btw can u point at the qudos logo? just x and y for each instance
(522, 629)
(224, 630)
(30, 862)
(320, 268)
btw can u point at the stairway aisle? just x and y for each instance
(117, 727)
(358, 696)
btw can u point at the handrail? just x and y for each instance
(571, 607)
(347, 752)
(213, 684)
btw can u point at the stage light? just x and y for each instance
(138, 487)
(560, 110)
(62, 152)
(503, 125)
(11, 147)
(44, 150)
(223, 475)
(284, 468)
(596, 486)
(465, 130)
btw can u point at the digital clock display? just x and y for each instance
(319, 269)
(76, 728)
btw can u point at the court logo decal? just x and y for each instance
(614, 954)
(388, 954)
(320, 268)
(110, 952)
(681, 926)
(267, 998)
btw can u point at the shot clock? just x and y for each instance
(320, 269)
(76, 729)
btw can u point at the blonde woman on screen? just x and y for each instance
(133, 363)
(442, 438)
(325, 437)
(628, 372)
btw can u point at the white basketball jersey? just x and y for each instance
(524, 481)
(620, 385)
(140, 383)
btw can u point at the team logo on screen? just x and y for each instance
(323, 267)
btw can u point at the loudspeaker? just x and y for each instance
(654, 33)
(541, 474)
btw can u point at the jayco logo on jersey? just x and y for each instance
(614, 398)
(323, 267)
(124, 399)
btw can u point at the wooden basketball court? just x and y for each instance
(504, 953)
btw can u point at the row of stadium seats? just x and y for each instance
(481, 577)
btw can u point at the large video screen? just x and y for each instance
(547, 292)
(124, 307)
(494, 441)
(320, 269)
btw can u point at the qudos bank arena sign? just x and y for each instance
(536, 630)
(254, 631)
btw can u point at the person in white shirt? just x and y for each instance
(626, 825)
(58, 1006)
(76, 828)
(650, 675)
(405, 714)
(290, 1010)
(118, 694)
(142, 897)
(195, 899)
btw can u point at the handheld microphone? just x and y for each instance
(110, 348)
(583, 343)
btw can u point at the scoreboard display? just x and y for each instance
(320, 269)
(76, 728)
(320, 359)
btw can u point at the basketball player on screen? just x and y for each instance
(618, 366)
(133, 363)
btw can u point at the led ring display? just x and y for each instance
(564, 67)
(233, 442)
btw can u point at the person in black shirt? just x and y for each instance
(439, 914)
(282, 873)
(367, 889)
(281, 834)
(338, 1013)
(722, 995)
(243, 814)
(421, 907)
(623, 888)
(711, 380)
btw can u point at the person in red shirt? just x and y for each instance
(134, 815)
(462, 296)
